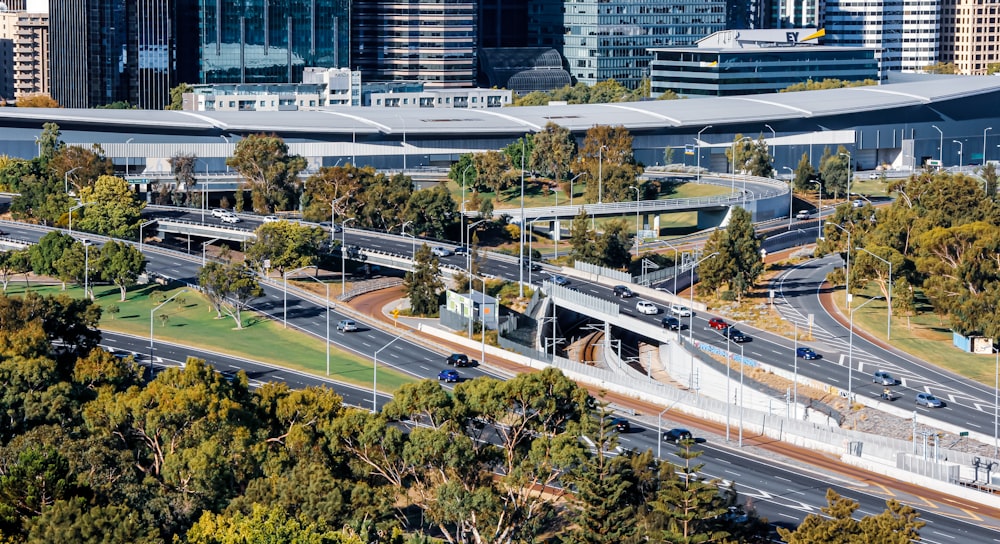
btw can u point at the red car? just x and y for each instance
(717, 323)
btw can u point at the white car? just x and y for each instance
(219, 212)
(231, 218)
(646, 307)
(271, 218)
(680, 311)
(439, 251)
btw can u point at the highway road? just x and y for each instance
(780, 494)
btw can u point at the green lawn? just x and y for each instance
(923, 335)
(190, 322)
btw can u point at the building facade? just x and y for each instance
(733, 63)
(603, 40)
(24, 54)
(908, 32)
(428, 41)
(475, 99)
(270, 41)
(970, 35)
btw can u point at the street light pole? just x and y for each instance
(375, 374)
(888, 313)
(343, 253)
(847, 281)
(940, 144)
(333, 217)
(691, 307)
(520, 247)
(413, 242)
(141, 225)
(66, 179)
(987, 129)
(791, 194)
(571, 191)
(636, 218)
(850, 355)
(960, 147)
(462, 220)
(153, 311)
(71, 210)
(676, 265)
(741, 395)
(733, 174)
(128, 156)
(819, 210)
(698, 141)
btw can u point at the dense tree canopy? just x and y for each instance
(269, 170)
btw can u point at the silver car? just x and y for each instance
(928, 400)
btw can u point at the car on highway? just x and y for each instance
(646, 307)
(671, 323)
(874, 175)
(858, 203)
(271, 218)
(680, 311)
(457, 359)
(717, 324)
(677, 435)
(803, 214)
(230, 218)
(806, 353)
(735, 335)
(882, 377)
(461, 250)
(219, 212)
(559, 280)
(621, 424)
(534, 266)
(622, 291)
(928, 400)
(347, 325)
(449, 376)
(439, 251)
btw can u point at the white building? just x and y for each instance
(343, 87)
(443, 98)
(907, 32)
(321, 87)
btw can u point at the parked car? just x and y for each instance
(623, 425)
(622, 291)
(449, 376)
(439, 251)
(803, 214)
(806, 353)
(677, 435)
(458, 359)
(882, 377)
(230, 218)
(559, 280)
(271, 218)
(717, 324)
(680, 311)
(219, 212)
(928, 400)
(646, 307)
(671, 323)
(346, 325)
(735, 335)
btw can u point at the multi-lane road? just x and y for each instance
(780, 493)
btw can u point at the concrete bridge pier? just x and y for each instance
(712, 217)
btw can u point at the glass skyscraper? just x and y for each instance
(270, 41)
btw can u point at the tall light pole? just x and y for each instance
(600, 173)
(888, 314)
(128, 156)
(819, 210)
(741, 395)
(571, 191)
(659, 432)
(333, 216)
(850, 354)
(698, 141)
(66, 179)
(141, 225)
(850, 172)
(86, 269)
(462, 220)
(847, 281)
(375, 374)
(676, 265)
(987, 129)
(729, 360)
(791, 194)
(153, 311)
(940, 144)
(691, 306)
(960, 147)
(468, 269)
(71, 210)
(520, 248)
(774, 136)
(343, 253)
(468, 245)
(413, 242)
(736, 143)
(636, 218)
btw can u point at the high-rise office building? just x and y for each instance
(970, 35)
(796, 13)
(908, 32)
(13, 5)
(24, 54)
(428, 41)
(611, 39)
(270, 41)
(502, 23)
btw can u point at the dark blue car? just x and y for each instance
(449, 376)
(806, 353)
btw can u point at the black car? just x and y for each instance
(735, 335)
(458, 359)
(531, 265)
(622, 291)
(621, 424)
(671, 323)
(677, 435)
